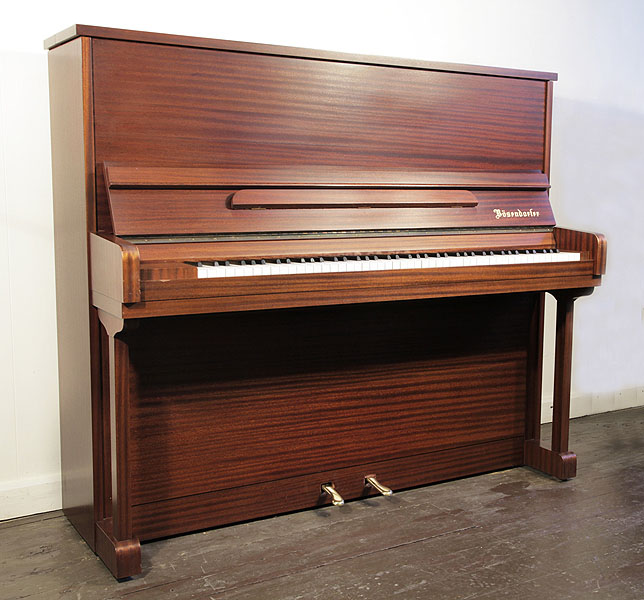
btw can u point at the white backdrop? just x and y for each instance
(596, 47)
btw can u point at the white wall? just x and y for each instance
(598, 157)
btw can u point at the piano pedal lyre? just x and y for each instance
(330, 490)
(374, 483)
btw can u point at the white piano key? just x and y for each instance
(455, 260)
(569, 256)
(203, 272)
(469, 260)
(317, 266)
(217, 271)
(327, 267)
(481, 260)
(396, 262)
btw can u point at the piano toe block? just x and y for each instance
(122, 557)
(562, 465)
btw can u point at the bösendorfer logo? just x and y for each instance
(500, 213)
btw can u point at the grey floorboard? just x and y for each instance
(510, 534)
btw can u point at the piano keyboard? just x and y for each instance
(353, 264)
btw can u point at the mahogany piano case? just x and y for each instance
(288, 278)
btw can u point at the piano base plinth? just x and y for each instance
(562, 465)
(122, 557)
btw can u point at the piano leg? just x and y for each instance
(557, 460)
(115, 543)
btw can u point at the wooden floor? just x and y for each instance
(513, 534)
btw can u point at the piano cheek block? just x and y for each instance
(278, 325)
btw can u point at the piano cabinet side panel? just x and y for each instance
(223, 402)
(78, 333)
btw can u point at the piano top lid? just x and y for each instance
(76, 31)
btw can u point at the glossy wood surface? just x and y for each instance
(593, 243)
(227, 506)
(234, 399)
(172, 212)
(229, 400)
(289, 111)
(122, 557)
(233, 46)
(72, 164)
(321, 199)
(115, 268)
(123, 176)
(339, 246)
(451, 287)
(476, 277)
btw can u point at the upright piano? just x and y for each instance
(288, 278)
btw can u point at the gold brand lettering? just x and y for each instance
(501, 213)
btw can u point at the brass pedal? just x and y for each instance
(374, 483)
(336, 499)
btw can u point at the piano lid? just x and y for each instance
(154, 201)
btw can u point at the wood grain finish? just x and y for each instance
(243, 406)
(593, 243)
(118, 176)
(115, 268)
(288, 111)
(548, 129)
(340, 246)
(222, 400)
(323, 55)
(306, 198)
(172, 212)
(535, 371)
(227, 506)
(72, 170)
(558, 460)
(243, 410)
(425, 279)
(268, 300)
(122, 558)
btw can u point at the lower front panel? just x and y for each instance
(200, 511)
(243, 415)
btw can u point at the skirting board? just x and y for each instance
(23, 497)
(592, 404)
